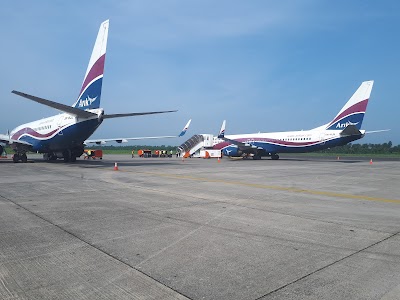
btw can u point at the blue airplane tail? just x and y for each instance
(90, 93)
(354, 110)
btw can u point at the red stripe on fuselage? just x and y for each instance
(356, 108)
(30, 131)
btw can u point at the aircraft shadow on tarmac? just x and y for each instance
(311, 159)
(324, 160)
(105, 163)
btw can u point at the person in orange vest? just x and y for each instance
(133, 153)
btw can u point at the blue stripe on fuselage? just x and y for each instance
(275, 148)
(69, 137)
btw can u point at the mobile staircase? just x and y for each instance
(196, 144)
(192, 145)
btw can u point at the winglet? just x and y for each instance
(185, 128)
(221, 134)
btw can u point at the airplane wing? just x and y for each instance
(240, 145)
(125, 140)
(7, 140)
(109, 116)
(65, 108)
(15, 144)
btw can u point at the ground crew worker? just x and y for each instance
(133, 153)
(170, 152)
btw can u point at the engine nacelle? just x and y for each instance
(232, 151)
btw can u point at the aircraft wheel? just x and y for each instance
(67, 155)
(73, 158)
(274, 156)
(23, 157)
(16, 157)
(256, 157)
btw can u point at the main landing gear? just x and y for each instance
(68, 155)
(20, 157)
(274, 156)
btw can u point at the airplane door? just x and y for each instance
(322, 138)
(59, 124)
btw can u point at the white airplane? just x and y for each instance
(64, 135)
(344, 128)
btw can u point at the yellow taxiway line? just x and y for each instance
(278, 188)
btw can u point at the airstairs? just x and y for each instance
(200, 145)
(192, 145)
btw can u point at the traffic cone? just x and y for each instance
(115, 167)
(219, 159)
(370, 162)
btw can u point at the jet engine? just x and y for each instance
(232, 151)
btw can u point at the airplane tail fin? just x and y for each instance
(221, 134)
(90, 93)
(354, 110)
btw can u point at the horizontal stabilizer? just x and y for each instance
(350, 130)
(65, 108)
(377, 131)
(137, 114)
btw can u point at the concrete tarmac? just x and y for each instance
(163, 228)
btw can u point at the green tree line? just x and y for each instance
(385, 148)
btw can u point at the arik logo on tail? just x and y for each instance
(86, 102)
(344, 125)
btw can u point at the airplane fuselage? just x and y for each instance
(267, 144)
(55, 133)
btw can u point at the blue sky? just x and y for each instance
(261, 65)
